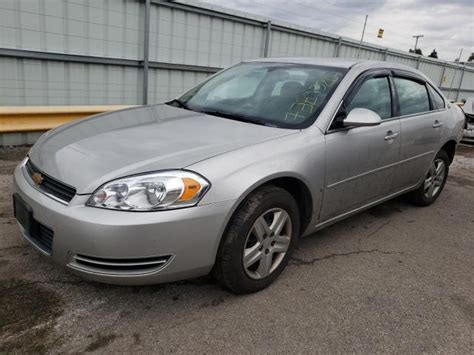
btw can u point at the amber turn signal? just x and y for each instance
(191, 189)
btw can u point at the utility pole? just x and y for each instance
(416, 41)
(460, 54)
(362, 37)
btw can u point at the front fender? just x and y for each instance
(236, 174)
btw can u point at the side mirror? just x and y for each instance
(360, 117)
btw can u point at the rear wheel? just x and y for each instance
(259, 240)
(434, 181)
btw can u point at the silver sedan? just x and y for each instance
(227, 177)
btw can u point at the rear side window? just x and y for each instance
(374, 94)
(438, 101)
(412, 96)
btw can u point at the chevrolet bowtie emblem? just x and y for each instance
(37, 178)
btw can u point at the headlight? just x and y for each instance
(151, 192)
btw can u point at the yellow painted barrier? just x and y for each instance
(42, 118)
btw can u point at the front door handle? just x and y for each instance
(391, 135)
(437, 124)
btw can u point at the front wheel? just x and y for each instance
(434, 181)
(259, 240)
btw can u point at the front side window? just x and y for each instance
(276, 94)
(374, 94)
(412, 96)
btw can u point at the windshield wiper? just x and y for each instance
(236, 117)
(178, 103)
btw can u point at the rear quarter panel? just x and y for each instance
(454, 124)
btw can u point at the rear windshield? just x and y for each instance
(276, 94)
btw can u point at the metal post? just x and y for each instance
(362, 37)
(460, 83)
(452, 82)
(266, 47)
(385, 54)
(418, 62)
(442, 74)
(338, 47)
(146, 47)
(416, 41)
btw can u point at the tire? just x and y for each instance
(422, 195)
(267, 205)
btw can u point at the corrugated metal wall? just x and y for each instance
(184, 37)
(42, 82)
(103, 28)
(61, 52)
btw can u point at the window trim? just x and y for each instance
(392, 73)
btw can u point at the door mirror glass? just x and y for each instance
(359, 117)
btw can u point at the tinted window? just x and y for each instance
(374, 94)
(438, 101)
(412, 96)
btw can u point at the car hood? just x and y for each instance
(87, 153)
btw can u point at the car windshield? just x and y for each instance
(274, 94)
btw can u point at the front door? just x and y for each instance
(361, 160)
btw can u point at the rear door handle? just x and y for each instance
(391, 135)
(437, 124)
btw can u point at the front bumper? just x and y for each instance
(183, 242)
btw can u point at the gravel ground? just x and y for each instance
(392, 279)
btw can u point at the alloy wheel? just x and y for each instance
(267, 243)
(435, 178)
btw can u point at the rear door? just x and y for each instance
(360, 160)
(421, 115)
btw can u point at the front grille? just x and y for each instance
(42, 236)
(120, 266)
(51, 186)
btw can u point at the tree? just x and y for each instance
(471, 57)
(433, 54)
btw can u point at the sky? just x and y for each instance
(447, 25)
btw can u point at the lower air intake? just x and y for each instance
(124, 266)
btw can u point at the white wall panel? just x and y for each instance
(432, 71)
(468, 81)
(39, 82)
(177, 36)
(284, 44)
(168, 84)
(109, 28)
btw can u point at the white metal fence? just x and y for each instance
(61, 52)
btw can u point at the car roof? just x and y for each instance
(336, 62)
